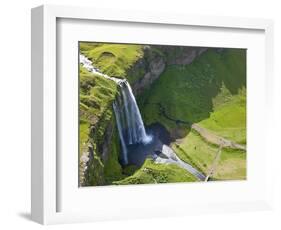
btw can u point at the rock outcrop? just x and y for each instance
(147, 69)
(94, 160)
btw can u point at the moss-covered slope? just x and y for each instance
(99, 145)
(112, 59)
(192, 92)
(211, 91)
(152, 173)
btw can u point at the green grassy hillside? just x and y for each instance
(152, 173)
(96, 96)
(193, 92)
(194, 150)
(211, 91)
(112, 59)
(96, 123)
(229, 118)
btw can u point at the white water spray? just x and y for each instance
(128, 117)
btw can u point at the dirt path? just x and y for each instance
(204, 133)
(214, 165)
(215, 139)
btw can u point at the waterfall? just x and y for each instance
(129, 121)
(130, 125)
(119, 127)
(134, 129)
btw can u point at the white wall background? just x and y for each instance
(15, 112)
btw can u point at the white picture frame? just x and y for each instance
(47, 175)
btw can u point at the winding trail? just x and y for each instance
(212, 138)
(214, 165)
(206, 134)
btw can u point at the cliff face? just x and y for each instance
(103, 166)
(98, 145)
(147, 69)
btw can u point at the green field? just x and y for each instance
(112, 59)
(229, 119)
(152, 173)
(96, 97)
(194, 150)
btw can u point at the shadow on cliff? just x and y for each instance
(184, 94)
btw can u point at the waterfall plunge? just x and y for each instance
(129, 121)
(128, 118)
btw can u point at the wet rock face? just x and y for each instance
(156, 67)
(91, 169)
(187, 57)
(107, 142)
(149, 68)
(182, 55)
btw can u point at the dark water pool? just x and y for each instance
(138, 152)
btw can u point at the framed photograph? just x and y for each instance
(140, 114)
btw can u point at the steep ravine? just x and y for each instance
(103, 148)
